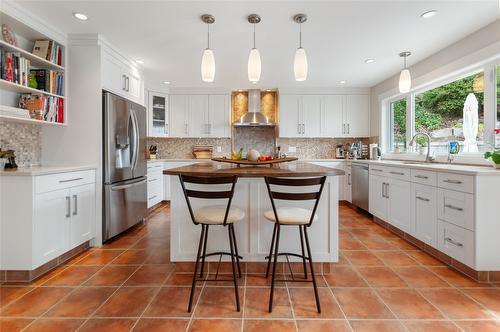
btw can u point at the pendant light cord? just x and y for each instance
(405, 61)
(208, 36)
(300, 35)
(254, 35)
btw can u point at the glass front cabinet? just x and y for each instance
(157, 114)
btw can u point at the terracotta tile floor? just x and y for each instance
(381, 283)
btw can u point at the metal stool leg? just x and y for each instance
(204, 252)
(274, 267)
(271, 251)
(236, 250)
(234, 269)
(304, 265)
(318, 306)
(193, 285)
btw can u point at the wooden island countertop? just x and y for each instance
(290, 169)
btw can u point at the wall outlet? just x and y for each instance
(219, 148)
(292, 149)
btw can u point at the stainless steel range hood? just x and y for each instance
(253, 118)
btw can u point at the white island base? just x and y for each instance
(254, 233)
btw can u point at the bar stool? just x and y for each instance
(292, 216)
(213, 215)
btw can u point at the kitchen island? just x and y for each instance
(254, 232)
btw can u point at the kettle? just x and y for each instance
(375, 152)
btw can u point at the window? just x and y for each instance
(440, 111)
(398, 124)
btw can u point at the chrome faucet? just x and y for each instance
(428, 158)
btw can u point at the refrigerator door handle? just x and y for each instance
(126, 186)
(134, 134)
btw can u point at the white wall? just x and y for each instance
(479, 47)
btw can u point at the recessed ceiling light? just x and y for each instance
(429, 14)
(80, 16)
(166, 82)
(369, 60)
(139, 62)
(342, 82)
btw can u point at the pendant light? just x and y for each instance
(208, 59)
(404, 77)
(254, 63)
(300, 61)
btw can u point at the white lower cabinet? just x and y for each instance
(456, 242)
(377, 200)
(57, 213)
(424, 213)
(398, 200)
(155, 183)
(347, 192)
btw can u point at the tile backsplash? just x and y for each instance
(24, 139)
(182, 148)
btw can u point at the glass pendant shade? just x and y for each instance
(300, 64)
(208, 66)
(404, 81)
(254, 65)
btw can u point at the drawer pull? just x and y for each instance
(150, 198)
(70, 180)
(421, 176)
(68, 206)
(453, 207)
(152, 180)
(455, 243)
(376, 169)
(397, 173)
(452, 181)
(422, 198)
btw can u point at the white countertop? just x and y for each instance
(452, 168)
(43, 170)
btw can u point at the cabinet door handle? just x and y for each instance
(166, 128)
(422, 198)
(376, 170)
(70, 180)
(343, 128)
(68, 206)
(128, 84)
(421, 176)
(298, 129)
(348, 129)
(452, 181)
(449, 206)
(186, 128)
(455, 243)
(124, 87)
(396, 173)
(152, 180)
(75, 199)
(209, 128)
(349, 179)
(386, 190)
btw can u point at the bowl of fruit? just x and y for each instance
(253, 158)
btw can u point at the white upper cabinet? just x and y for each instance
(356, 116)
(121, 77)
(218, 115)
(324, 115)
(332, 123)
(290, 116)
(199, 115)
(311, 116)
(178, 115)
(158, 125)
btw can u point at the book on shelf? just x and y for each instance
(48, 50)
(42, 107)
(14, 68)
(49, 80)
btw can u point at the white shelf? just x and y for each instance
(29, 121)
(14, 87)
(36, 61)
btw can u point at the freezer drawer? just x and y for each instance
(125, 205)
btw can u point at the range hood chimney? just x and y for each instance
(253, 118)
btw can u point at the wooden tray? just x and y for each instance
(255, 163)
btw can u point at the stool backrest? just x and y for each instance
(289, 196)
(206, 194)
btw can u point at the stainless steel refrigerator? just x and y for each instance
(125, 184)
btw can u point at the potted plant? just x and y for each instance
(493, 156)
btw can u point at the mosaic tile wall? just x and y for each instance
(182, 148)
(24, 139)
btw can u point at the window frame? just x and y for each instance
(490, 104)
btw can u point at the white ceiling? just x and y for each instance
(338, 36)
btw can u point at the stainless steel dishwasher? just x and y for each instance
(360, 184)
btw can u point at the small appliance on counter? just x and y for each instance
(11, 159)
(152, 151)
(375, 152)
(203, 151)
(340, 152)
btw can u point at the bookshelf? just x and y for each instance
(10, 92)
